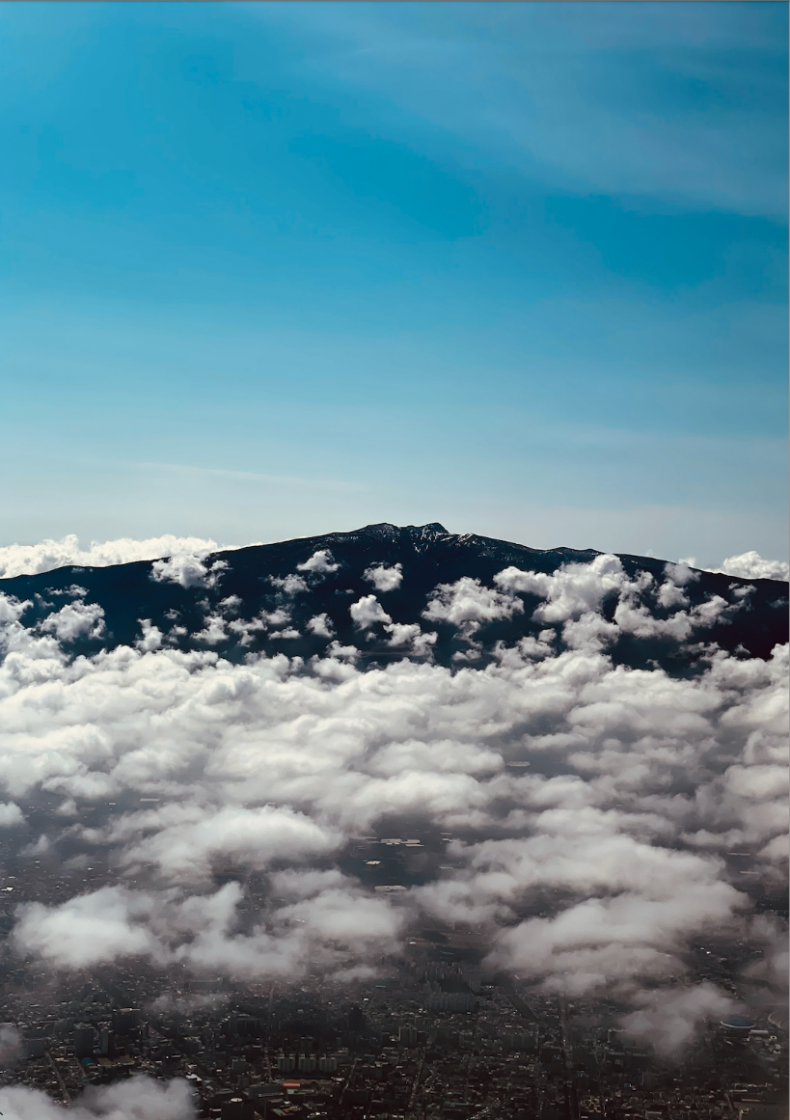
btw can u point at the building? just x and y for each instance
(84, 1040)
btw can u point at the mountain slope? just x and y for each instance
(261, 599)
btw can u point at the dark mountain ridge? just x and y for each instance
(239, 584)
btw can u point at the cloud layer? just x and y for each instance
(593, 806)
(28, 559)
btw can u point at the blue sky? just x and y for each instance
(275, 269)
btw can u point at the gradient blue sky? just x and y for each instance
(275, 269)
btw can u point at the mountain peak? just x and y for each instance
(386, 527)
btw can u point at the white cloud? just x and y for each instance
(668, 1020)
(186, 840)
(410, 634)
(10, 814)
(75, 591)
(639, 783)
(94, 927)
(188, 570)
(574, 589)
(75, 620)
(750, 565)
(615, 944)
(671, 593)
(637, 619)
(367, 612)
(575, 593)
(214, 632)
(151, 639)
(320, 561)
(12, 609)
(468, 605)
(140, 1098)
(321, 626)
(681, 573)
(384, 578)
(324, 920)
(24, 559)
(290, 584)
(245, 628)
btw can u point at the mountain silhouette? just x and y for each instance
(245, 584)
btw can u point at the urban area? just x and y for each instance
(431, 1037)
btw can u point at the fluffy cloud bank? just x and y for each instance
(593, 805)
(750, 565)
(28, 559)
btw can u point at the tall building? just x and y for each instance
(84, 1040)
(451, 1001)
(125, 1019)
(35, 1047)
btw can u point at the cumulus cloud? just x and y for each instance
(76, 620)
(671, 592)
(290, 584)
(321, 626)
(384, 578)
(187, 569)
(617, 943)
(214, 631)
(151, 638)
(668, 1020)
(184, 840)
(320, 561)
(10, 814)
(638, 620)
(468, 605)
(411, 635)
(751, 565)
(75, 591)
(575, 590)
(217, 626)
(323, 921)
(615, 792)
(95, 927)
(140, 1098)
(11, 609)
(575, 595)
(29, 559)
(368, 612)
